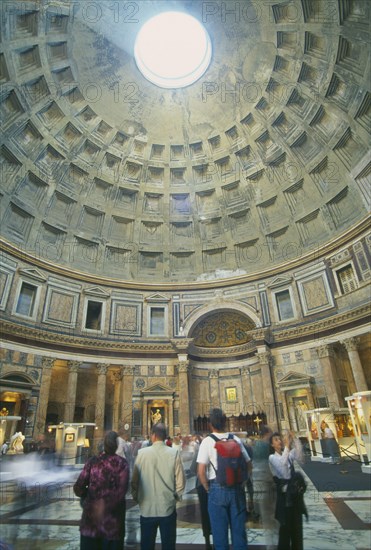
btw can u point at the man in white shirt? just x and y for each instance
(226, 505)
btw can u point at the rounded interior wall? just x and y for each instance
(259, 164)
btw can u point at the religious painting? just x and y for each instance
(312, 425)
(231, 394)
(343, 424)
(69, 438)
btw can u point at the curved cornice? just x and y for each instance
(65, 271)
(54, 341)
(322, 328)
(89, 346)
(234, 351)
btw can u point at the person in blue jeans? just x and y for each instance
(226, 505)
(157, 484)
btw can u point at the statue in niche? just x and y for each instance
(156, 416)
(300, 407)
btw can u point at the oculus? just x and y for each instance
(172, 50)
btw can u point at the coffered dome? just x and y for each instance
(260, 162)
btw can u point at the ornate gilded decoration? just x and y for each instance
(223, 329)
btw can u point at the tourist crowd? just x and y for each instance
(265, 487)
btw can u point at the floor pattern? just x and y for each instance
(45, 515)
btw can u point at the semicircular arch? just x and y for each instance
(17, 377)
(199, 314)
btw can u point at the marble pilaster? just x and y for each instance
(42, 408)
(265, 361)
(248, 405)
(327, 358)
(184, 413)
(69, 407)
(352, 345)
(214, 388)
(171, 418)
(117, 378)
(282, 398)
(126, 398)
(100, 400)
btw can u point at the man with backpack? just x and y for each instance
(223, 467)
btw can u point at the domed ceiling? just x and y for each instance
(261, 161)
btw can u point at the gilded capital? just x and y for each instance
(73, 366)
(265, 358)
(245, 371)
(102, 369)
(47, 362)
(128, 371)
(351, 344)
(326, 350)
(117, 375)
(183, 366)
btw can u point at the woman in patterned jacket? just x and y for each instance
(102, 486)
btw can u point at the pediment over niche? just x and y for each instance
(279, 281)
(96, 291)
(33, 274)
(157, 298)
(157, 389)
(294, 379)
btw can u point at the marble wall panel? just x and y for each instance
(315, 294)
(60, 307)
(126, 318)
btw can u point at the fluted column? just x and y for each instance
(265, 361)
(214, 388)
(100, 404)
(282, 398)
(126, 400)
(311, 403)
(42, 408)
(327, 358)
(69, 407)
(117, 378)
(352, 345)
(183, 369)
(248, 405)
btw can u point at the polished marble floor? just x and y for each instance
(40, 511)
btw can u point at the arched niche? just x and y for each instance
(219, 307)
